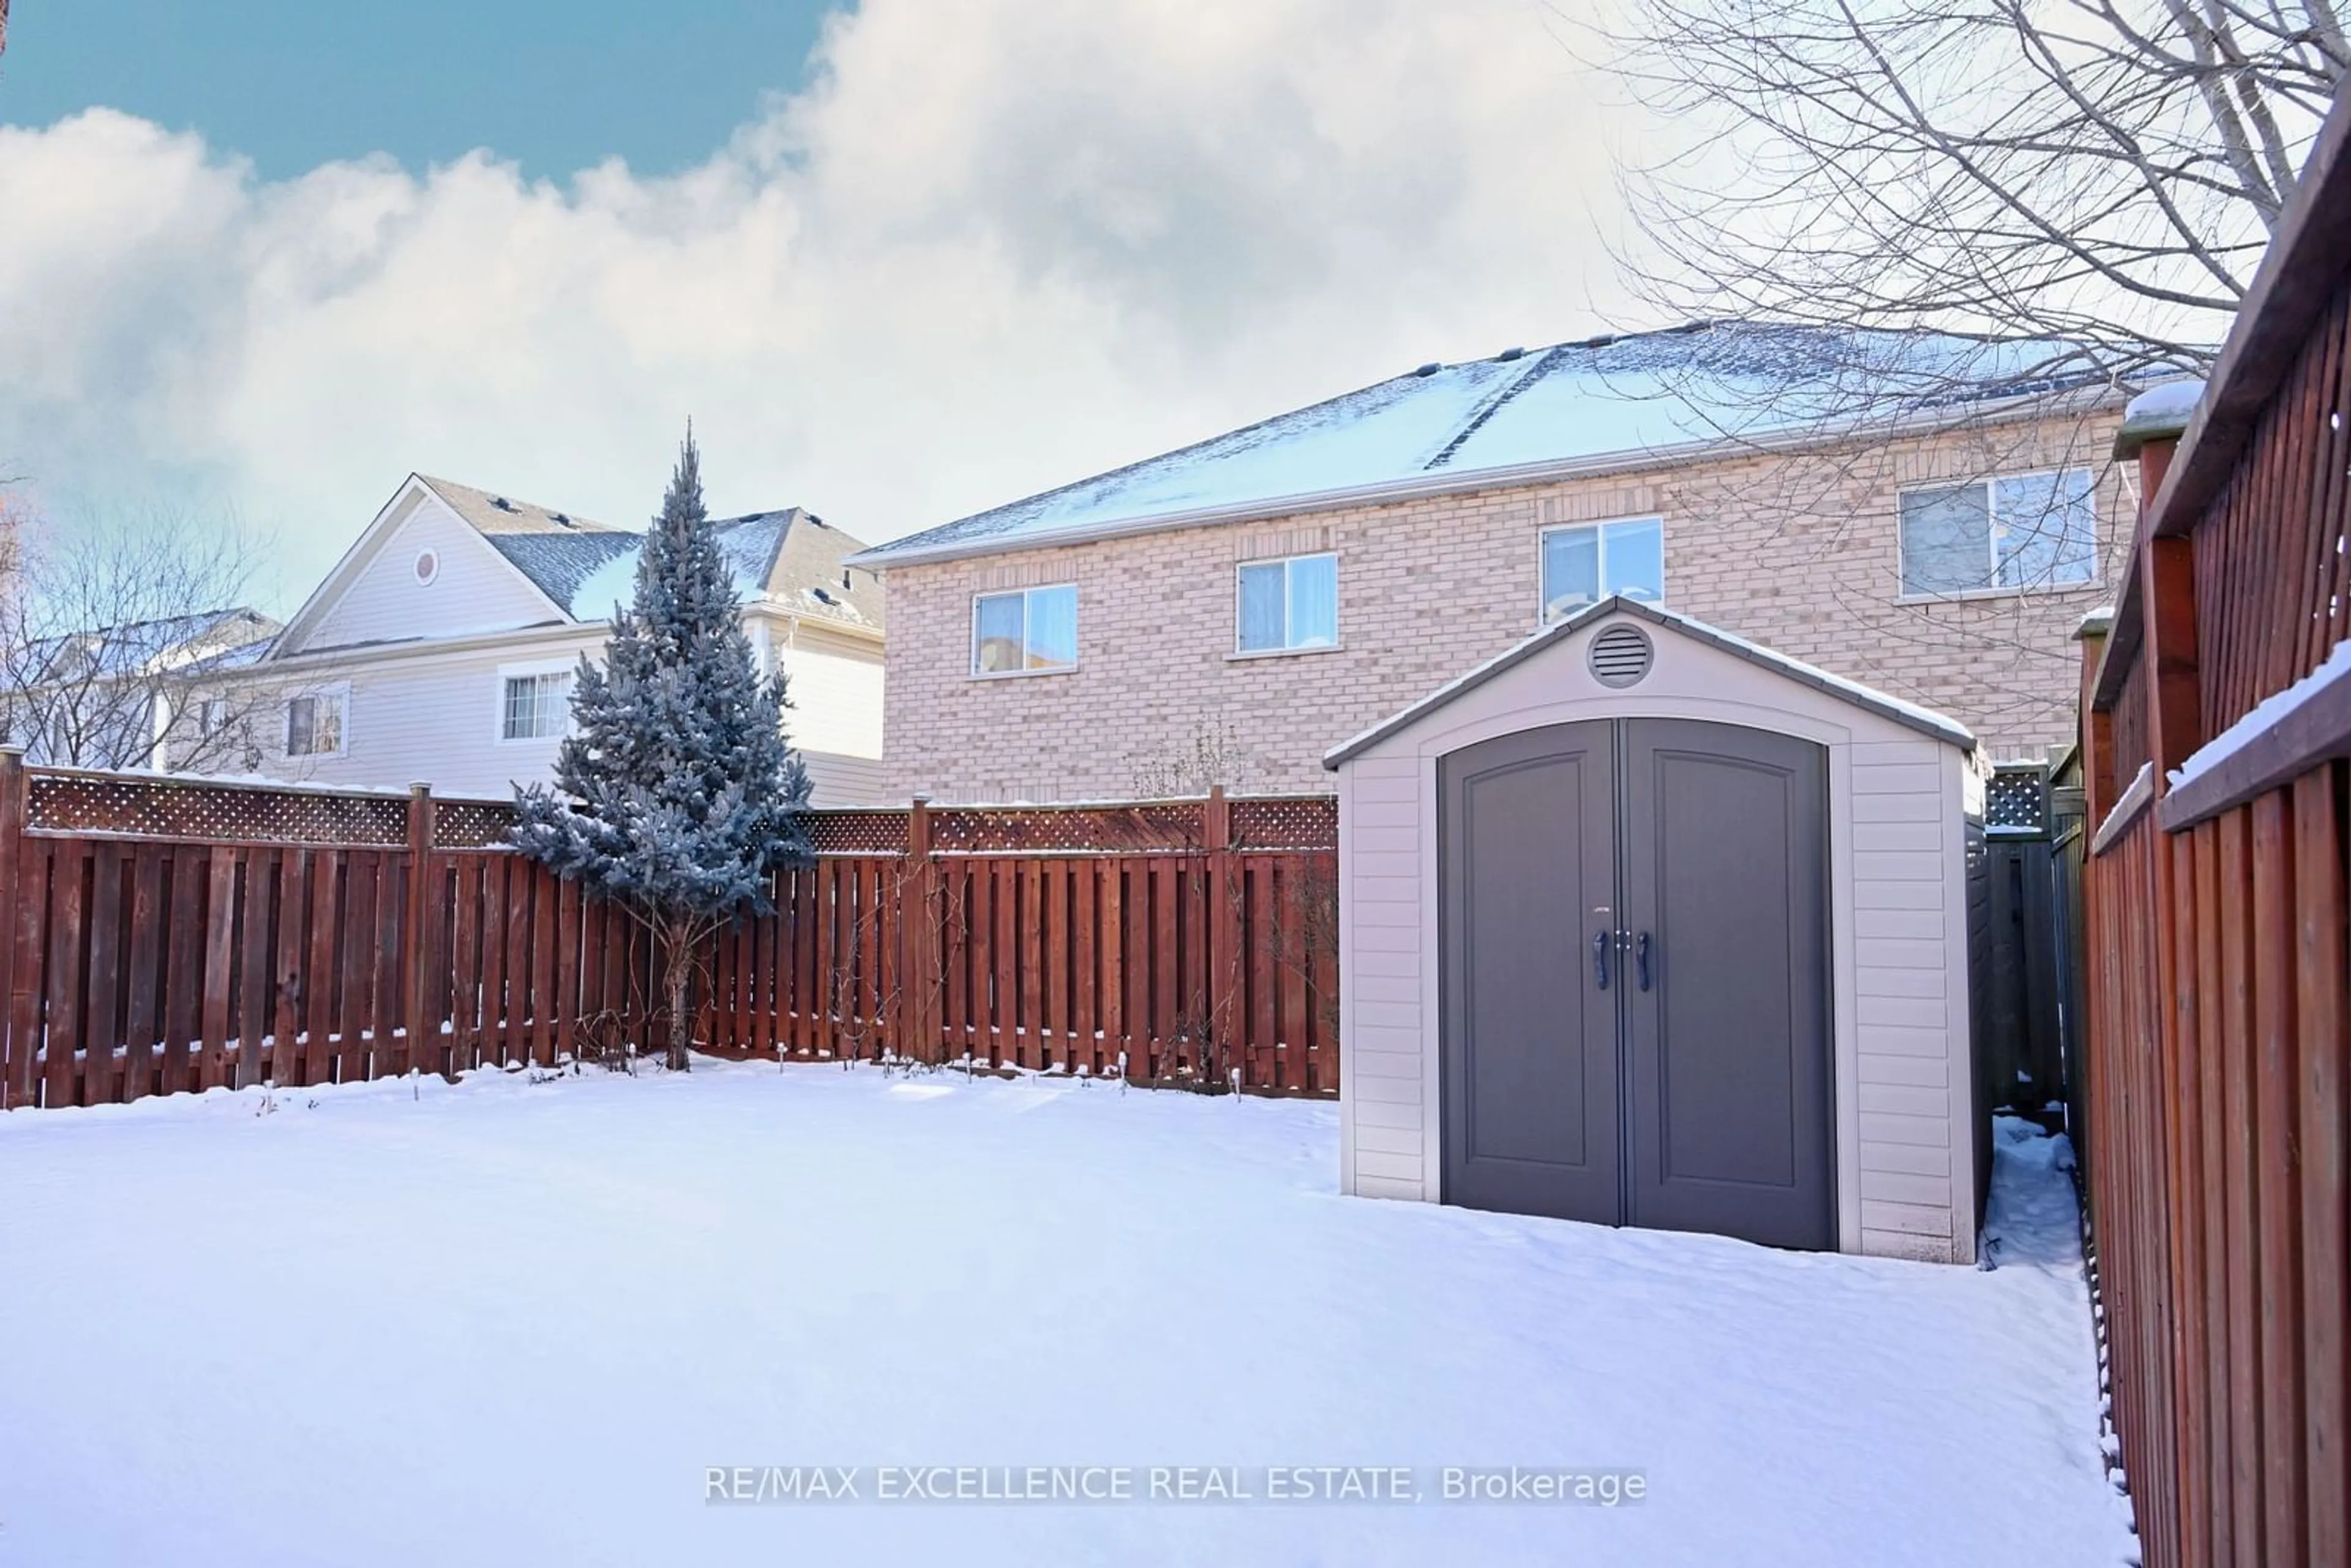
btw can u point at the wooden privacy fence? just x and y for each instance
(170, 935)
(1172, 942)
(2216, 951)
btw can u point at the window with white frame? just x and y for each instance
(2019, 530)
(211, 718)
(314, 724)
(1030, 630)
(1289, 603)
(531, 706)
(1588, 562)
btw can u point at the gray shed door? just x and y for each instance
(1636, 978)
(1532, 1090)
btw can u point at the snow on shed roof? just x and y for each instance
(1679, 391)
(1925, 720)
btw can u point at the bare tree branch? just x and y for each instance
(2103, 173)
(119, 641)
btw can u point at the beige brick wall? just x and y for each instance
(1798, 552)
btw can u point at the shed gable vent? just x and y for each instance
(1620, 656)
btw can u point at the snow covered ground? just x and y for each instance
(507, 1322)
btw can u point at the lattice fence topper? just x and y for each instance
(158, 806)
(1159, 827)
(2017, 801)
(133, 806)
(1286, 823)
(471, 824)
(857, 832)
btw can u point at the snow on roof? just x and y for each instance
(791, 558)
(1926, 720)
(491, 513)
(1704, 384)
(561, 564)
(209, 637)
(588, 569)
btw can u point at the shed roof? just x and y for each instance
(1925, 720)
(1659, 397)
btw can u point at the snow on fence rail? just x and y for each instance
(166, 935)
(2218, 1039)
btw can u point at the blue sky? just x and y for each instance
(556, 86)
(981, 249)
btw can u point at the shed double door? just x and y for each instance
(1636, 978)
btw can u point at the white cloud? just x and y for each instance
(994, 247)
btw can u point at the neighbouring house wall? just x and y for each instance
(474, 592)
(433, 715)
(1898, 950)
(1798, 552)
(835, 687)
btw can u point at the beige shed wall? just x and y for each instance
(1898, 947)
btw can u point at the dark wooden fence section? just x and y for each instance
(2216, 952)
(1171, 942)
(169, 935)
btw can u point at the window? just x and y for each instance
(535, 705)
(314, 725)
(2021, 531)
(1025, 633)
(1291, 604)
(1586, 564)
(211, 718)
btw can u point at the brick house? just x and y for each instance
(1928, 516)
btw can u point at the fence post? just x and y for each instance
(1224, 929)
(2096, 736)
(422, 1032)
(2167, 628)
(918, 998)
(16, 1054)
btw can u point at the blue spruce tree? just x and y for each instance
(677, 794)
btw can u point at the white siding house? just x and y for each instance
(440, 648)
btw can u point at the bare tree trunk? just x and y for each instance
(676, 937)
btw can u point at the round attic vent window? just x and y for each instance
(1620, 656)
(428, 566)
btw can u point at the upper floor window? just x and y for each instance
(2019, 531)
(1591, 562)
(314, 724)
(1290, 603)
(535, 705)
(1030, 630)
(211, 718)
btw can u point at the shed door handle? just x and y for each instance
(1641, 958)
(1600, 959)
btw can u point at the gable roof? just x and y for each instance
(1599, 404)
(1924, 720)
(209, 638)
(497, 516)
(791, 560)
